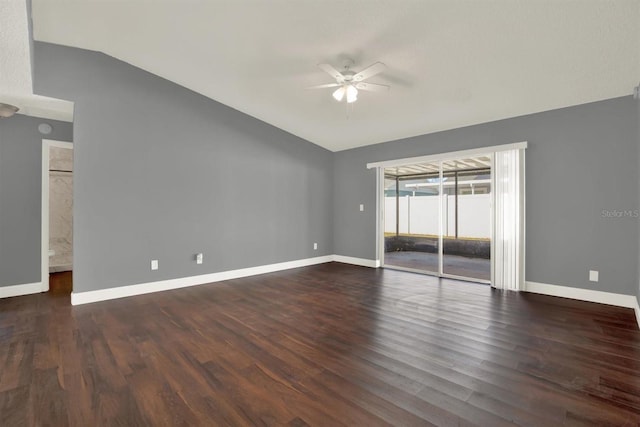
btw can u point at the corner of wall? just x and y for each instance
(638, 182)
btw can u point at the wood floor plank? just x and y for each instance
(331, 345)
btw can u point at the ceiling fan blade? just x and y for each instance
(332, 72)
(324, 86)
(376, 68)
(372, 87)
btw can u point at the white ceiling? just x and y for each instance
(451, 63)
(16, 86)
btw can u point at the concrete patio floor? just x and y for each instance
(473, 268)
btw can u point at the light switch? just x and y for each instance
(361, 208)
(593, 275)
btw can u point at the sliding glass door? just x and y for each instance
(437, 218)
(412, 227)
(467, 235)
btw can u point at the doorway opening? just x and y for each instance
(57, 216)
(437, 217)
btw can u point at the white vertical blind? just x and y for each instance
(508, 249)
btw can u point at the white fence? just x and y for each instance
(419, 215)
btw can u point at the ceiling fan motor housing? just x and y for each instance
(348, 75)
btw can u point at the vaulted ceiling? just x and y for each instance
(451, 63)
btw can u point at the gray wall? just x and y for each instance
(580, 161)
(163, 173)
(20, 196)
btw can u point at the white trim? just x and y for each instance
(441, 201)
(17, 290)
(44, 214)
(165, 285)
(447, 156)
(78, 298)
(636, 308)
(492, 223)
(380, 206)
(59, 144)
(523, 207)
(373, 263)
(620, 300)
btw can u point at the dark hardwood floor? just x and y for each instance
(61, 282)
(325, 345)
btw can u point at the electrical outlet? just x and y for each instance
(361, 208)
(593, 275)
(154, 264)
(199, 258)
(315, 246)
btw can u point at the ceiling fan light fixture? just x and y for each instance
(352, 94)
(349, 83)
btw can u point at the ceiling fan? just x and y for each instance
(349, 82)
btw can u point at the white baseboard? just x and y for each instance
(165, 285)
(17, 290)
(357, 261)
(77, 298)
(621, 300)
(145, 288)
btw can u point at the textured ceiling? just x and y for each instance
(16, 86)
(451, 63)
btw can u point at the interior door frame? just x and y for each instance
(44, 245)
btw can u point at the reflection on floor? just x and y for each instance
(476, 268)
(61, 283)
